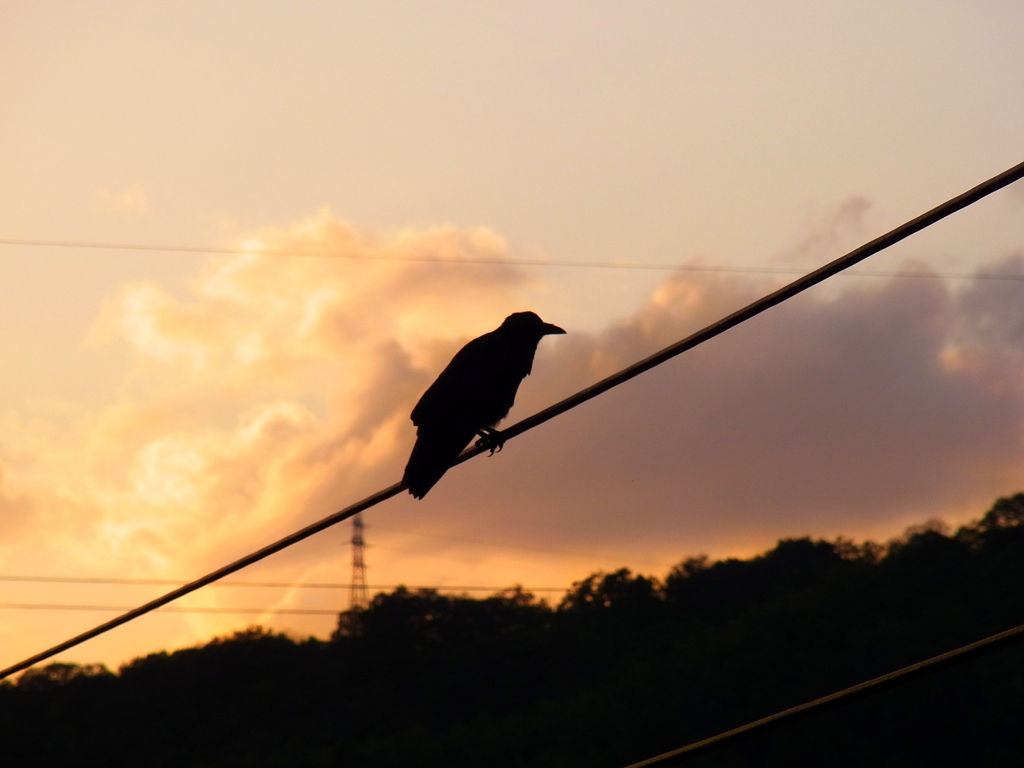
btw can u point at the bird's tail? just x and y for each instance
(431, 457)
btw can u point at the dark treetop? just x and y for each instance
(626, 667)
(471, 396)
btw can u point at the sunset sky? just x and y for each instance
(164, 413)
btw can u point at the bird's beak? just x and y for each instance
(550, 329)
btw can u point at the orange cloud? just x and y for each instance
(274, 392)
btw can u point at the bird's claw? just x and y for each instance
(490, 439)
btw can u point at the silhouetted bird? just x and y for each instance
(471, 396)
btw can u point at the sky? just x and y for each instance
(165, 412)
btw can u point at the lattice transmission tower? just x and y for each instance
(359, 596)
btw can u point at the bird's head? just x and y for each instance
(529, 325)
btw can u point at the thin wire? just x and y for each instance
(278, 584)
(172, 609)
(833, 700)
(276, 611)
(751, 310)
(501, 546)
(378, 257)
(503, 262)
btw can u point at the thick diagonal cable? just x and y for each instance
(877, 685)
(751, 310)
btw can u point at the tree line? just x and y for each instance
(624, 667)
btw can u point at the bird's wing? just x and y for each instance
(460, 383)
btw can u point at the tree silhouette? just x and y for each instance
(625, 666)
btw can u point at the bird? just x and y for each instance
(471, 395)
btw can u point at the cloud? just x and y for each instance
(15, 511)
(275, 372)
(278, 390)
(827, 232)
(850, 415)
(992, 307)
(273, 393)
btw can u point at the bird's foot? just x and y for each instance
(490, 439)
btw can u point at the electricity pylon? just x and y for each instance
(359, 596)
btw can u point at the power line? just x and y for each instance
(505, 546)
(640, 266)
(377, 257)
(165, 582)
(171, 609)
(833, 700)
(275, 611)
(721, 326)
(273, 584)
